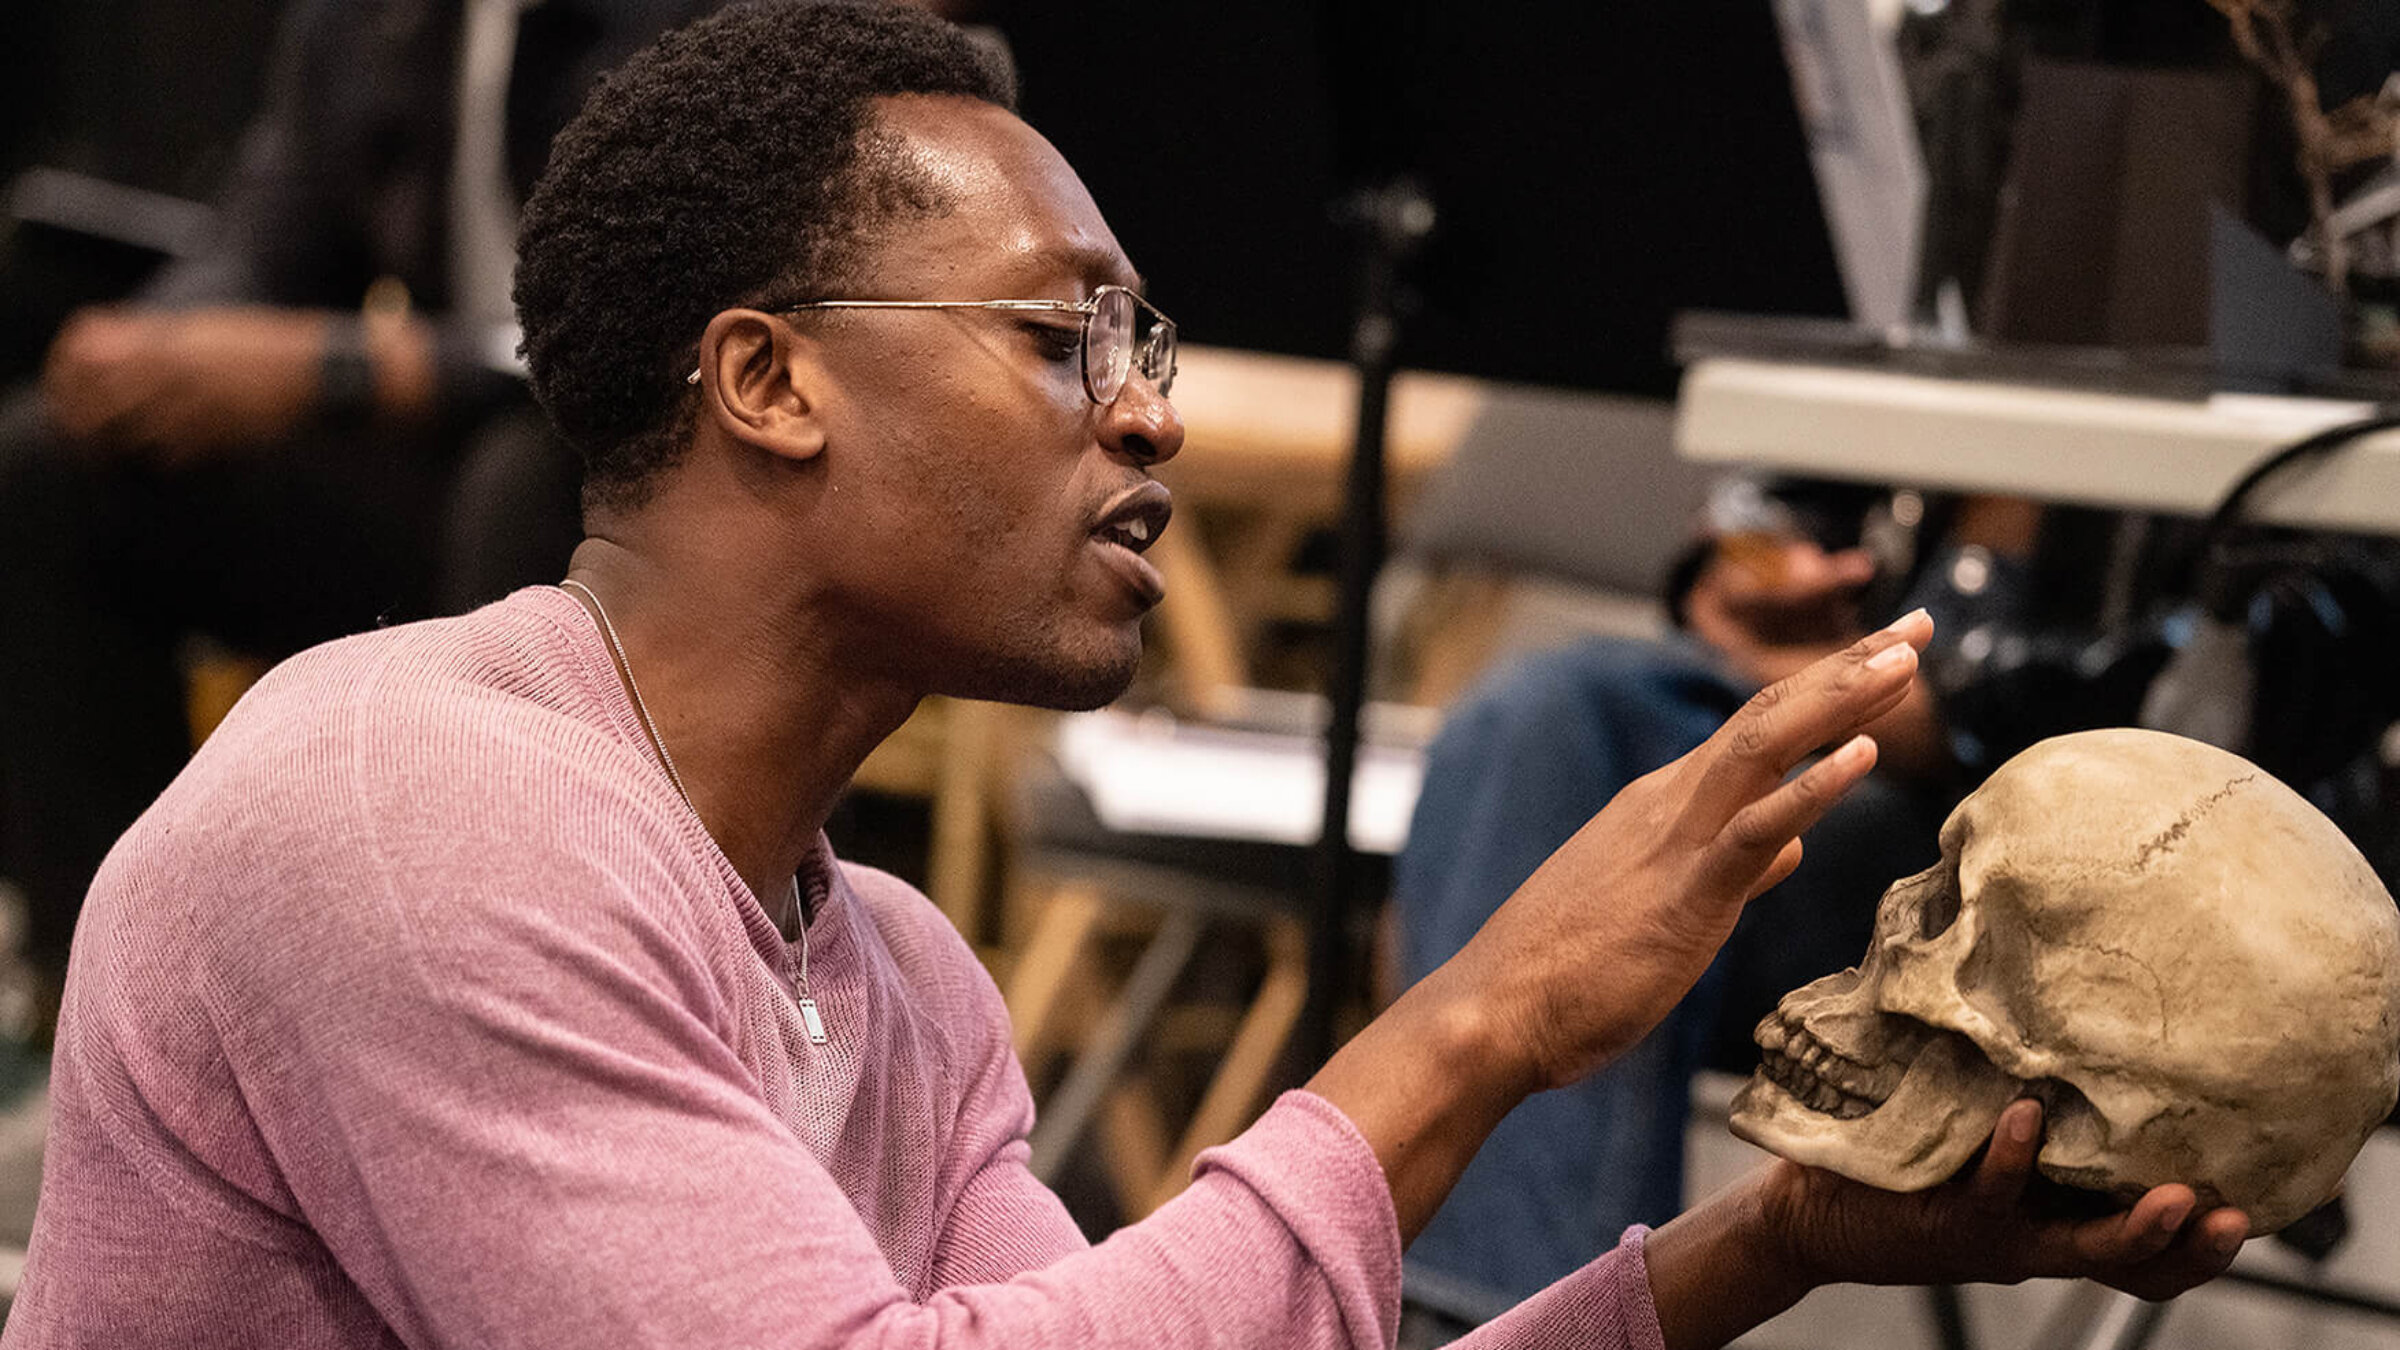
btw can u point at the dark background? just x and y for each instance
(147, 93)
(1596, 167)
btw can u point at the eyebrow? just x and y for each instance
(1086, 263)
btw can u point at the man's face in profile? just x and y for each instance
(984, 473)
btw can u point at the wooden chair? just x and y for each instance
(1124, 926)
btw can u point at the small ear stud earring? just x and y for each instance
(694, 377)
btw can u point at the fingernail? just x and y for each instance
(2226, 1242)
(2023, 1124)
(1907, 620)
(1899, 653)
(2175, 1214)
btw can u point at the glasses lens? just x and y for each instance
(1156, 354)
(1108, 345)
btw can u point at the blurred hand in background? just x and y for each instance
(1772, 602)
(183, 386)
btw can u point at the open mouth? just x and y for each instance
(1135, 523)
(1818, 1078)
(1134, 534)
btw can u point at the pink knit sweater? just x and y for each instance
(419, 1011)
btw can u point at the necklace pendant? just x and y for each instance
(813, 1020)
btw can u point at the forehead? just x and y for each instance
(1016, 220)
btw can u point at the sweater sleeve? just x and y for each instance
(493, 1068)
(1604, 1306)
(1296, 1209)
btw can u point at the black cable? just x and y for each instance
(2229, 508)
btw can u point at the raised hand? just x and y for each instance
(1596, 947)
(1613, 930)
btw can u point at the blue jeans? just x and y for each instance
(1521, 764)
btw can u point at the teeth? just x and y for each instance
(1817, 1078)
(1138, 528)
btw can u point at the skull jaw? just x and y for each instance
(1943, 1110)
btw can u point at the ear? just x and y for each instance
(762, 384)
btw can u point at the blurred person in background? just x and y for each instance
(311, 425)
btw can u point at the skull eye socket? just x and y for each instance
(1939, 911)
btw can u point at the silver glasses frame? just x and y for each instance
(1142, 356)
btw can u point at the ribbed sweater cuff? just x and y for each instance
(1315, 1170)
(1606, 1306)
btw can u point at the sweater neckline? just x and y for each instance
(823, 891)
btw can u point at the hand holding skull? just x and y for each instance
(1984, 1225)
(1753, 1250)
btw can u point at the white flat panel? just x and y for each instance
(2060, 445)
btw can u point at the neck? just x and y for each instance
(765, 723)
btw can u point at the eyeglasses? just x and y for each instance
(1112, 347)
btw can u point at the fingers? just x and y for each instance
(93, 379)
(2223, 1231)
(2000, 1179)
(1829, 701)
(1785, 862)
(2155, 1250)
(2137, 1234)
(2111, 1242)
(1763, 837)
(2216, 1238)
(2198, 1253)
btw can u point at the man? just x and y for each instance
(488, 982)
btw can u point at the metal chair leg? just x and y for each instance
(2094, 1317)
(1071, 1107)
(1949, 1308)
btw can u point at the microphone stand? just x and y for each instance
(1392, 219)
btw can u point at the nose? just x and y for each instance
(1141, 425)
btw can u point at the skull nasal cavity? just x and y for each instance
(1938, 913)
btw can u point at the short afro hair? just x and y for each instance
(733, 159)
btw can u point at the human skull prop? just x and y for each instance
(2187, 963)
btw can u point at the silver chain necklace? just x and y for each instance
(810, 1017)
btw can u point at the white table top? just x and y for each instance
(2059, 445)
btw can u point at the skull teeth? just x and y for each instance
(1814, 1075)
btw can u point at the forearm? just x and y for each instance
(432, 369)
(1426, 1083)
(1716, 1271)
